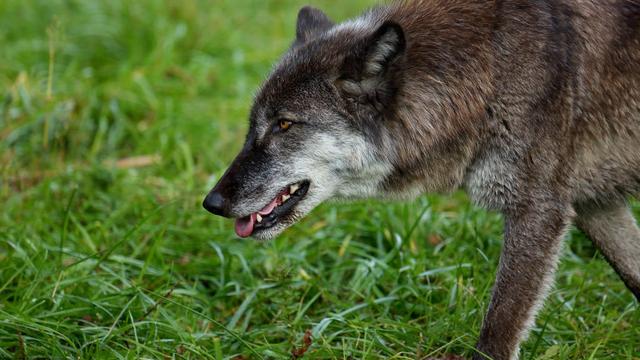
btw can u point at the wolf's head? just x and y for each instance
(316, 127)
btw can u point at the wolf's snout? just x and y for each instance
(215, 203)
(220, 199)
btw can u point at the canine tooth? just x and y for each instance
(285, 198)
(258, 217)
(293, 188)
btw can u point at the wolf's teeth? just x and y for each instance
(285, 198)
(259, 218)
(293, 188)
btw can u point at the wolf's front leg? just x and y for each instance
(532, 244)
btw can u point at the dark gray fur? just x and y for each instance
(532, 106)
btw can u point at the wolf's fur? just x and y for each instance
(532, 106)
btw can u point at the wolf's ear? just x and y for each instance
(368, 73)
(311, 23)
(383, 47)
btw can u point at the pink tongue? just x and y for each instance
(244, 226)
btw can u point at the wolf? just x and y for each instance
(531, 106)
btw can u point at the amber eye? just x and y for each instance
(284, 125)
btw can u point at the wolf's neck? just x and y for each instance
(440, 108)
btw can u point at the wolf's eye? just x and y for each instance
(282, 125)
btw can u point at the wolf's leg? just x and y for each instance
(532, 244)
(615, 233)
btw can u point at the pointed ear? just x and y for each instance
(311, 23)
(384, 46)
(368, 74)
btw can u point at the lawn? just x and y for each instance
(116, 118)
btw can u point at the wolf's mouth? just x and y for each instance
(269, 216)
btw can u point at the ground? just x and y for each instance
(116, 117)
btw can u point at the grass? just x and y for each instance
(105, 258)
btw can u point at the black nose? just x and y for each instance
(215, 203)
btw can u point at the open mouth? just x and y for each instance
(279, 207)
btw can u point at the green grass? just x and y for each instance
(105, 261)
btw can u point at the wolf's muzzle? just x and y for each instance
(215, 203)
(220, 199)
